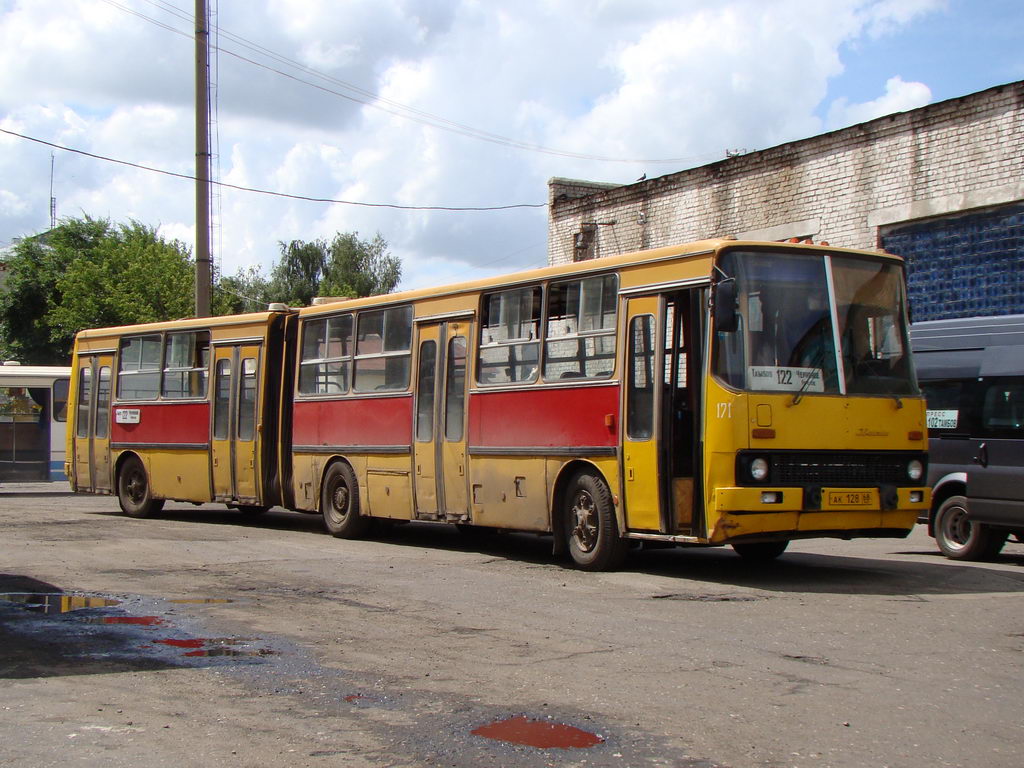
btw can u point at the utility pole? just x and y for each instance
(203, 270)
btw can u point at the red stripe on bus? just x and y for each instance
(163, 423)
(358, 421)
(561, 417)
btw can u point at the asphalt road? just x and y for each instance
(215, 640)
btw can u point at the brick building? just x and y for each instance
(942, 185)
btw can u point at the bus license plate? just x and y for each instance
(851, 498)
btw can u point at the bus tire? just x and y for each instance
(760, 551)
(133, 491)
(339, 503)
(591, 533)
(251, 510)
(960, 539)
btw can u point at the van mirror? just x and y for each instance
(726, 317)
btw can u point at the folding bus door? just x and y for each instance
(660, 449)
(439, 440)
(235, 428)
(92, 423)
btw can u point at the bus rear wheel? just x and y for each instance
(959, 538)
(339, 502)
(591, 532)
(133, 491)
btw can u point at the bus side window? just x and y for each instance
(60, 399)
(383, 349)
(186, 362)
(510, 337)
(138, 372)
(580, 329)
(84, 400)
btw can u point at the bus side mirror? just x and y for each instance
(726, 318)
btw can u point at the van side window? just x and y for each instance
(1002, 410)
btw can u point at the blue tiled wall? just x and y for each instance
(963, 266)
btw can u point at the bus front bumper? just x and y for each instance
(746, 512)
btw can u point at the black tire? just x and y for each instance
(761, 551)
(591, 532)
(959, 538)
(339, 503)
(133, 491)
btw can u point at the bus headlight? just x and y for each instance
(915, 470)
(759, 469)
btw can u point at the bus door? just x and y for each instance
(92, 423)
(660, 442)
(234, 447)
(439, 431)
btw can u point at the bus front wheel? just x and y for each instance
(761, 551)
(591, 532)
(339, 501)
(959, 538)
(133, 491)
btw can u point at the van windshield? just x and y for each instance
(794, 311)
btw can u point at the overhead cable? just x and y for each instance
(271, 193)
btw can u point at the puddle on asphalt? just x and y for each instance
(215, 646)
(56, 602)
(542, 734)
(200, 600)
(141, 621)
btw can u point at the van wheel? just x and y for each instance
(590, 528)
(760, 552)
(133, 491)
(339, 502)
(960, 539)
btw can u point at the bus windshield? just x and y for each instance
(795, 309)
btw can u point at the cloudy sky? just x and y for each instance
(406, 105)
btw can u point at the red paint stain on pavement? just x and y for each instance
(538, 733)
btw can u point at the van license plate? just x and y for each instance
(851, 498)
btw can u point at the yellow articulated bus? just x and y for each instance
(717, 393)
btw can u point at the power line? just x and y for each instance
(271, 193)
(376, 101)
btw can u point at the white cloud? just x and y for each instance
(899, 96)
(632, 79)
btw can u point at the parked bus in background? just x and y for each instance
(33, 422)
(972, 372)
(718, 393)
(187, 410)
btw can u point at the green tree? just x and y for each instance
(345, 266)
(88, 273)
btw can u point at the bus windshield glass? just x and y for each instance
(794, 310)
